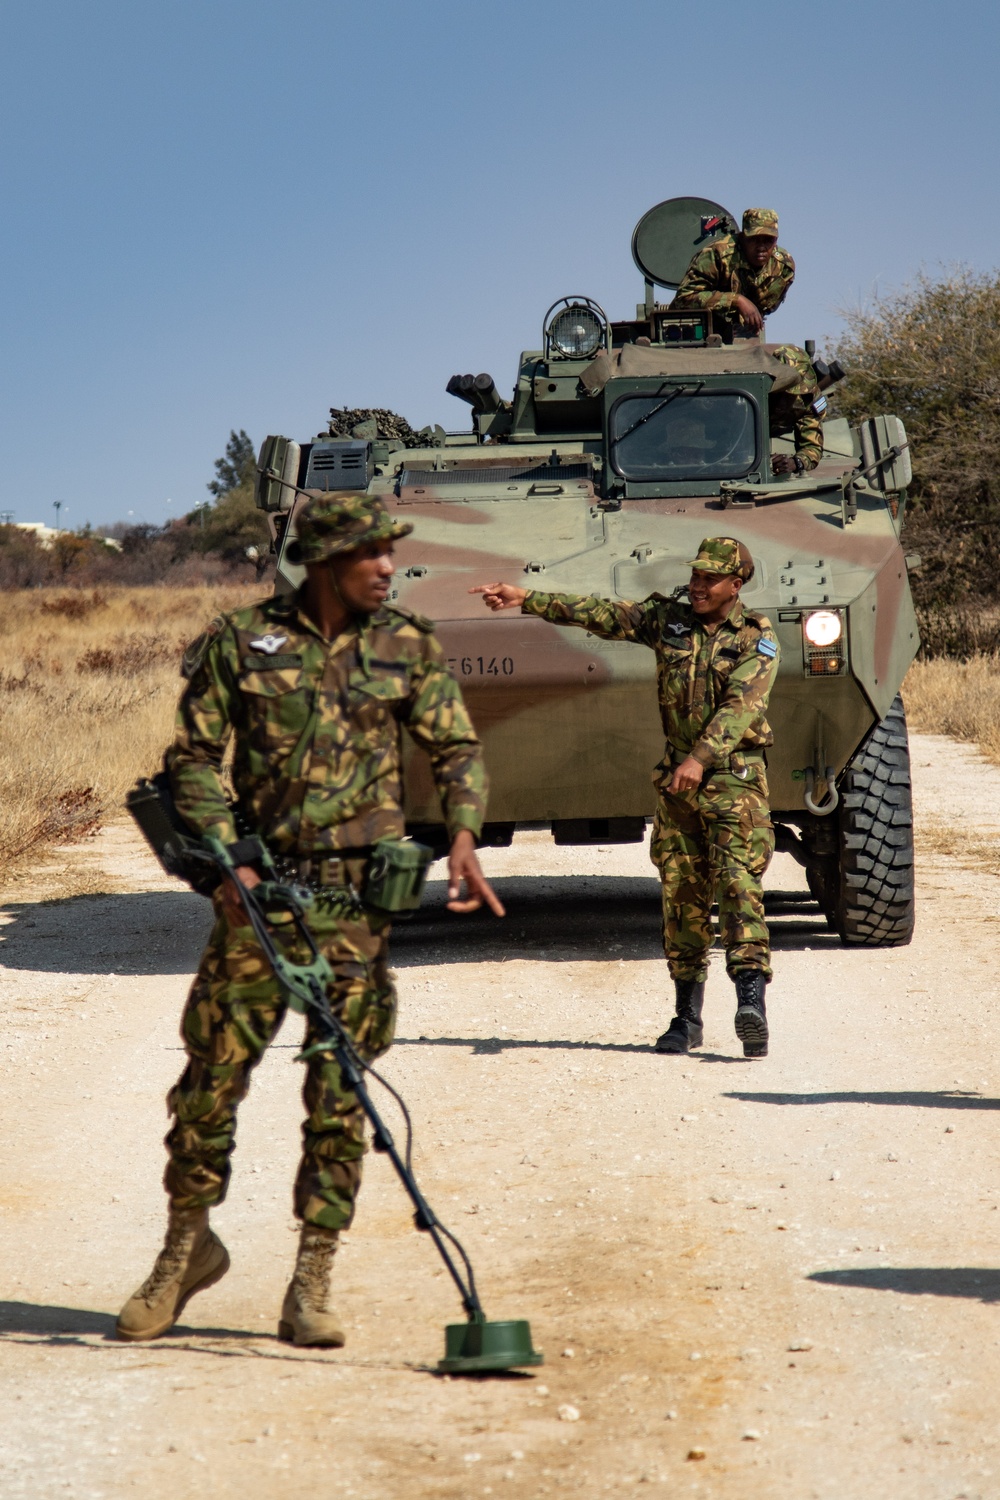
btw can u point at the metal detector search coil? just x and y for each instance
(477, 1347)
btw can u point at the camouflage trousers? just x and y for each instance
(233, 1012)
(714, 843)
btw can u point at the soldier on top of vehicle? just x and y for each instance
(743, 276)
(797, 411)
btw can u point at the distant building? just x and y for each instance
(46, 535)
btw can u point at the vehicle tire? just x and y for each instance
(874, 880)
(823, 887)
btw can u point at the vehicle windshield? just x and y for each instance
(681, 433)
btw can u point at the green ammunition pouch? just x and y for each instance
(396, 875)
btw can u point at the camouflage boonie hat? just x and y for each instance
(760, 221)
(342, 521)
(724, 554)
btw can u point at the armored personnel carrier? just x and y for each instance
(624, 443)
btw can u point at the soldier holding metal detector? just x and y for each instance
(712, 834)
(312, 690)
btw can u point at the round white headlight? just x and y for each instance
(823, 628)
(577, 333)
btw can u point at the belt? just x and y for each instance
(749, 758)
(318, 871)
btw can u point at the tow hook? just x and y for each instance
(821, 809)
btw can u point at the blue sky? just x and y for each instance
(226, 213)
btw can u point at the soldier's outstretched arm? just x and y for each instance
(500, 595)
(615, 620)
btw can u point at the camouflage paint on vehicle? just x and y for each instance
(538, 493)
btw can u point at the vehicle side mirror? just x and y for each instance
(885, 453)
(277, 474)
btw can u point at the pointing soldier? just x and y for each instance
(712, 835)
(743, 275)
(311, 689)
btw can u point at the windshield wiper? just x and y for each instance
(678, 390)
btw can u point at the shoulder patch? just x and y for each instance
(411, 617)
(767, 648)
(197, 651)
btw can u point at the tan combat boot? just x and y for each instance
(192, 1259)
(305, 1317)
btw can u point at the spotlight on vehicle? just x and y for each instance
(575, 328)
(823, 628)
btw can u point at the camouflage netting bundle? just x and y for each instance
(345, 420)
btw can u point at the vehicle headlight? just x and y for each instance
(576, 331)
(823, 628)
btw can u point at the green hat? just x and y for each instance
(341, 521)
(724, 554)
(760, 221)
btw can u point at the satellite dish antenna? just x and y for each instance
(667, 236)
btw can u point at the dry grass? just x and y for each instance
(963, 631)
(960, 698)
(89, 682)
(88, 686)
(972, 850)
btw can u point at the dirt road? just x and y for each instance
(790, 1267)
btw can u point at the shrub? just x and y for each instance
(931, 354)
(74, 606)
(130, 654)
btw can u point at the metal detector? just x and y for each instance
(478, 1346)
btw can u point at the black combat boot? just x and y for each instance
(751, 1016)
(685, 1030)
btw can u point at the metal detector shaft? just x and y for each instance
(337, 1042)
(306, 983)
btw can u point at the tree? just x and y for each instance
(231, 526)
(930, 353)
(23, 562)
(238, 467)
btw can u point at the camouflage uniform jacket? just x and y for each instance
(713, 687)
(799, 408)
(316, 725)
(720, 273)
